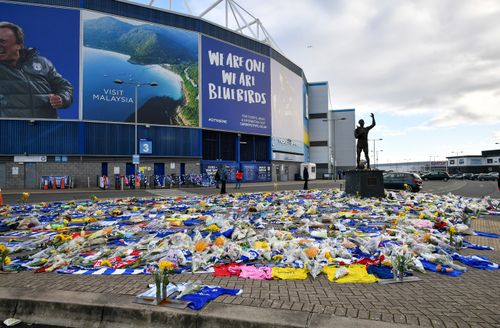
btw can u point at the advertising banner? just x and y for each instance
(39, 78)
(130, 65)
(287, 110)
(235, 88)
(256, 172)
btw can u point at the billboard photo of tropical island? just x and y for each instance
(122, 56)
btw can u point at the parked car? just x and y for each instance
(402, 180)
(468, 176)
(492, 176)
(439, 175)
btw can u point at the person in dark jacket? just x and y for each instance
(30, 86)
(305, 175)
(217, 178)
(223, 180)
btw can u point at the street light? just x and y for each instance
(375, 140)
(377, 156)
(136, 87)
(331, 147)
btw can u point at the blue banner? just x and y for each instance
(236, 89)
(144, 67)
(44, 82)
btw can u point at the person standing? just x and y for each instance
(223, 180)
(30, 86)
(305, 176)
(239, 177)
(217, 178)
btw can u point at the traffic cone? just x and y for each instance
(62, 183)
(54, 185)
(1, 198)
(46, 184)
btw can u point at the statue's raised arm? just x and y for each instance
(373, 122)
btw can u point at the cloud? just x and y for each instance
(406, 57)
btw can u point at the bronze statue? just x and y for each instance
(361, 133)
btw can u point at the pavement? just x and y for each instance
(470, 300)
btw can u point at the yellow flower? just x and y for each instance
(25, 196)
(2, 248)
(166, 266)
(328, 255)
(105, 263)
(262, 245)
(7, 260)
(453, 230)
(213, 227)
(61, 238)
(278, 258)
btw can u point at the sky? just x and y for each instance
(429, 69)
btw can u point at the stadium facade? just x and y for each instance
(184, 94)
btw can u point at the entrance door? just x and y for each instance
(104, 169)
(159, 169)
(30, 181)
(183, 169)
(283, 173)
(129, 169)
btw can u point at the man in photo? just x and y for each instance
(30, 86)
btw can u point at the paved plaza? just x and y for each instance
(470, 300)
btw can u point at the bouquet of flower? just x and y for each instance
(4, 258)
(401, 260)
(452, 231)
(161, 278)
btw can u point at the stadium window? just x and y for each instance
(261, 148)
(210, 145)
(228, 146)
(246, 148)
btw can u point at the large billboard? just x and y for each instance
(39, 78)
(235, 88)
(287, 110)
(126, 60)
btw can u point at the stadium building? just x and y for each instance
(146, 90)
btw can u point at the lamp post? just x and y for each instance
(377, 156)
(331, 146)
(374, 140)
(136, 87)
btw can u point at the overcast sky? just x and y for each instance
(429, 69)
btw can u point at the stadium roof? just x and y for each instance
(232, 15)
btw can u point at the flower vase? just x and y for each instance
(164, 290)
(401, 274)
(158, 293)
(158, 289)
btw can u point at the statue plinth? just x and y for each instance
(365, 183)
